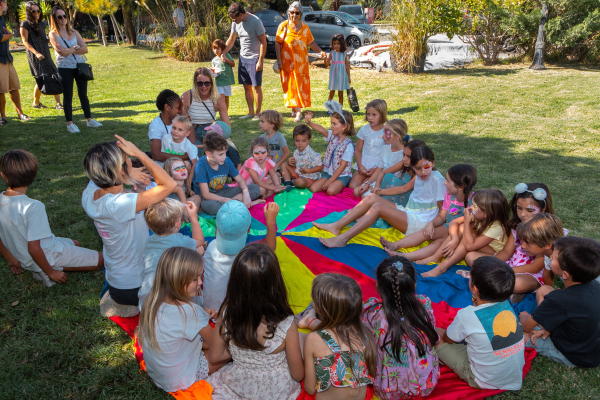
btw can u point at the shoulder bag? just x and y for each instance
(84, 70)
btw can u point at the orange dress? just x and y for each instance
(295, 79)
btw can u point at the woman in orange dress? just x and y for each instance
(292, 38)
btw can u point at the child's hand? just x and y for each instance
(308, 117)
(279, 188)
(15, 266)
(362, 189)
(448, 250)
(58, 276)
(140, 177)
(536, 334)
(327, 184)
(468, 213)
(191, 209)
(304, 170)
(523, 317)
(271, 210)
(211, 313)
(128, 148)
(370, 172)
(291, 161)
(428, 230)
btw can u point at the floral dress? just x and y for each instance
(257, 374)
(411, 376)
(392, 180)
(295, 79)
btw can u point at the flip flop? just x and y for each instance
(24, 117)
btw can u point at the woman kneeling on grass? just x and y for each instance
(423, 205)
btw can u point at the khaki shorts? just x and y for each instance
(9, 80)
(73, 256)
(456, 358)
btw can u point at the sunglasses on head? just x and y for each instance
(205, 84)
(59, 17)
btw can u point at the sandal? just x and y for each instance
(3, 121)
(464, 273)
(59, 106)
(39, 105)
(24, 117)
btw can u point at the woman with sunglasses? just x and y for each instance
(292, 38)
(69, 49)
(35, 40)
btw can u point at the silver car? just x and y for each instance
(356, 10)
(324, 24)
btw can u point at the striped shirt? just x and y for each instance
(202, 112)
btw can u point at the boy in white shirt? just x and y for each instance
(494, 354)
(26, 241)
(178, 144)
(164, 220)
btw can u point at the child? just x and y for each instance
(210, 178)
(260, 169)
(26, 241)
(341, 356)
(484, 230)
(337, 164)
(183, 191)
(423, 206)
(395, 136)
(523, 206)
(222, 64)
(304, 168)
(270, 123)
(339, 72)
(404, 328)
(494, 354)
(224, 130)
(177, 143)
(369, 145)
(565, 326)
(174, 329)
(233, 224)
(164, 220)
(169, 104)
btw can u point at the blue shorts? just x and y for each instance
(343, 179)
(547, 349)
(247, 74)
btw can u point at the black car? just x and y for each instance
(270, 20)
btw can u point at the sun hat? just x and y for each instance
(221, 128)
(233, 222)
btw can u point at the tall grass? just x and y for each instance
(408, 45)
(192, 47)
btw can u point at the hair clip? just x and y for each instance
(334, 107)
(402, 319)
(398, 265)
(407, 138)
(538, 194)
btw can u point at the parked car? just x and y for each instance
(306, 9)
(356, 10)
(325, 24)
(270, 20)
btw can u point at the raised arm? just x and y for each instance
(230, 41)
(316, 127)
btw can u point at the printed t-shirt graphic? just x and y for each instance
(503, 330)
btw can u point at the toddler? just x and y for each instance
(222, 64)
(304, 168)
(183, 192)
(270, 123)
(260, 169)
(177, 143)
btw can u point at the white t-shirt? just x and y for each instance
(177, 329)
(24, 220)
(423, 200)
(217, 267)
(390, 158)
(372, 147)
(155, 247)
(158, 129)
(495, 344)
(124, 234)
(167, 145)
(347, 156)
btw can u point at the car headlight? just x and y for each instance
(270, 39)
(363, 30)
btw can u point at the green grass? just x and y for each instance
(513, 124)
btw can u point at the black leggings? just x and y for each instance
(66, 77)
(126, 297)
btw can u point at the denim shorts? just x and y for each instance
(547, 349)
(343, 179)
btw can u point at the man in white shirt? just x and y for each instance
(179, 18)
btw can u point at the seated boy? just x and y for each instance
(224, 130)
(494, 354)
(565, 326)
(210, 178)
(26, 240)
(233, 225)
(305, 166)
(178, 144)
(164, 220)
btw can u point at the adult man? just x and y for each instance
(9, 80)
(253, 47)
(178, 18)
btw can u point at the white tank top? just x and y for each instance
(201, 112)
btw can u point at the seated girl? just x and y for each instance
(423, 205)
(482, 231)
(183, 192)
(260, 169)
(460, 181)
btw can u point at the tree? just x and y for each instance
(97, 8)
(538, 57)
(128, 21)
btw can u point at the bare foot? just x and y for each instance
(427, 260)
(332, 242)
(464, 273)
(390, 252)
(437, 271)
(258, 201)
(388, 245)
(327, 227)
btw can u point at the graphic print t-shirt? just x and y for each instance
(495, 344)
(216, 179)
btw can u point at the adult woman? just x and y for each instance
(69, 49)
(117, 215)
(33, 33)
(292, 38)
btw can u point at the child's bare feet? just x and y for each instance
(437, 271)
(430, 259)
(390, 252)
(388, 245)
(258, 201)
(333, 242)
(327, 227)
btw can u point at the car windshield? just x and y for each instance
(270, 18)
(348, 18)
(354, 10)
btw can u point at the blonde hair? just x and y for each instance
(214, 92)
(398, 127)
(105, 165)
(182, 119)
(381, 107)
(168, 166)
(163, 216)
(542, 229)
(273, 117)
(177, 268)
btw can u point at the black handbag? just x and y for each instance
(351, 93)
(48, 84)
(84, 70)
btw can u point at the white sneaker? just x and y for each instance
(46, 279)
(92, 123)
(256, 118)
(73, 128)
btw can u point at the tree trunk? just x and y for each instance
(128, 22)
(117, 29)
(102, 33)
(194, 8)
(137, 21)
(540, 44)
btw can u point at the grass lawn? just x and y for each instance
(513, 124)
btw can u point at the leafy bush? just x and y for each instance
(192, 47)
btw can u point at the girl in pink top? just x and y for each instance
(260, 169)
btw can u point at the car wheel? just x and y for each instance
(353, 42)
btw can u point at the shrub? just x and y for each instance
(191, 47)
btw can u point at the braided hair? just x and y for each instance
(166, 97)
(465, 176)
(408, 318)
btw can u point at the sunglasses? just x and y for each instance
(295, 13)
(205, 84)
(35, 11)
(259, 153)
(59, 17)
